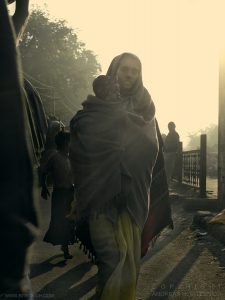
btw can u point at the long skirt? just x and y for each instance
(118, 252)
(61, 230)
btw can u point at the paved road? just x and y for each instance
(184, 264)
(212, 186)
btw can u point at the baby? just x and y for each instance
(106, 89)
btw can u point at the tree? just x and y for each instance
(212, 138)
(57, 63)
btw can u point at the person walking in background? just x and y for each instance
(60, 231)
(171, 147)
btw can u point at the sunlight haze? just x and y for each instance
(177, 42)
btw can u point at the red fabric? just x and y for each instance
(146, 235)
(159, 215)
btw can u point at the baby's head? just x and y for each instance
(105, 88)
(101, 86)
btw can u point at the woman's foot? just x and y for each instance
(65, 250)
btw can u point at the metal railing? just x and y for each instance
(190, 167)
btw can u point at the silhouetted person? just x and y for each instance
(171, 147)
(58, 165)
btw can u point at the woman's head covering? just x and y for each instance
(138, 99)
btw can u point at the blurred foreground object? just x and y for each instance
(219, 218)
(17, 212)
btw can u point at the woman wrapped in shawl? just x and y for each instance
(114, 148)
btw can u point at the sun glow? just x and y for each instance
(177, 42)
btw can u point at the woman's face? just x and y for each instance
(128, 72)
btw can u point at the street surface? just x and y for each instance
(211, 186)
(185, 263)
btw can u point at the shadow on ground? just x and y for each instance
(66, 286)
(46, 266)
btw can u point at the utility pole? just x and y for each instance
(221, 133)
(203, 159)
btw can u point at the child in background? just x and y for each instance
(60, 231)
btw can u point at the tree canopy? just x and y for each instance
(57, 63)
(212, 138)
(212, 147)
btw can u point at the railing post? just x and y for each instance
(180, 163)
(202, 179)
(221, 132)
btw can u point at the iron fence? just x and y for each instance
(190, 167)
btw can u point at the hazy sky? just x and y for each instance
(176, 40)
